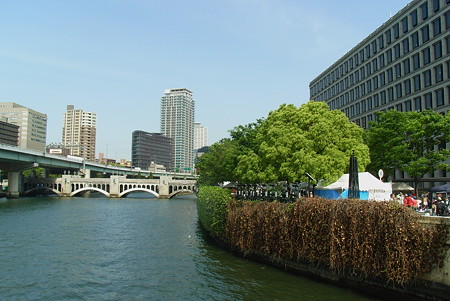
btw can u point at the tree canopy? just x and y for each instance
(413, 142)
(307, 139)
(290, 142)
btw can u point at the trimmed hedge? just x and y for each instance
(369, 239)
(212, 209)
(365, 238)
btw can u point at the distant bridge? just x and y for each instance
(14, 160)
(113, 187)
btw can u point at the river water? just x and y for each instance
(135, 248)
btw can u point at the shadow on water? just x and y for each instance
(245, 279)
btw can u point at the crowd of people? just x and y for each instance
(428, 204)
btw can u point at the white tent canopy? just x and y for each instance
(377, 189)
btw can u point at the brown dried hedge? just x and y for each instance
(369, 239)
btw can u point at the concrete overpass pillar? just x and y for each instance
(114, 186)
(14, 184)
(164, 187)
(87, 173)
(66, 187)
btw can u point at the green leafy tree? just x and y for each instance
(413, 142)
(218, 164)
(310, 139)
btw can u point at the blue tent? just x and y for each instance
(442, 188)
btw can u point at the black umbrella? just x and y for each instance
(353, 184)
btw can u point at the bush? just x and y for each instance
(212, 209)
(370, 239)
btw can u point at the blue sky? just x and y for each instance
(241, 58)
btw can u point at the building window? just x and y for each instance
(437, 26)
(388, 36)
(408, 107)
(407, 84)
(391, 94)
(375, 65)
(418, 104)
(437, 47)
(428, 101)
(368, 69)
(375, 82)
(416, 61)
(390, 75)
(367, 51)
(405, 24)
(398, 90)
(363, 106)
(383, 97)
(405, 45)
(396, 31)
(439, 97)
(399, 107)
(369, 103)
(426, 56)
(447, 20)
(448, 69)
(381, 58)
(376, 101)
(397, 51)
(435, 5)
(381, 41)
(398, 70)
(406, 66)
(389, 56)
(447, 42)
(417, 86)
(425, 33)
(427, 78)
(374, 46)
(382, 79)
(369, 86)
(414, 18)
(424, 10)
(415, 40)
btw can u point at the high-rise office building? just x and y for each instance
(79, 132)
(177, 122)
(151, 147)
(32, 125)
(9, 133)
(200, 136)
(403, 65)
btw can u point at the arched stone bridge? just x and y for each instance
(113, 187)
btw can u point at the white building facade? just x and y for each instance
(32, 125)
(403, 65)
(200, 136)
(177, 122)
(79, 132)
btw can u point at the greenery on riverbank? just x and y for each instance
(368, 239)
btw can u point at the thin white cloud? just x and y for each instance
(58, 63)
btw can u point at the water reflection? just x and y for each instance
(136, 248)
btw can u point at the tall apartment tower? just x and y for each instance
(151, 147)
(403, 65)
(177, 122)
(200, 136)
(32, 125)
(79, 132)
